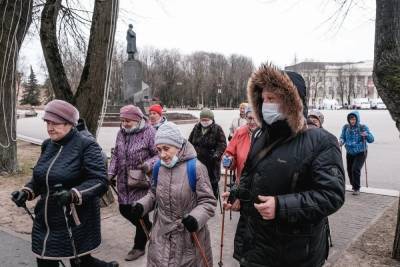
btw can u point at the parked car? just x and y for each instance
(377, 104)
(364, 104)
(380, 105)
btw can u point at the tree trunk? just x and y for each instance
(91, 95)
(387, 70)
(48, 39)
(16, 16)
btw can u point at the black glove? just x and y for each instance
(19, 197)
(137, 211)
(233, 194)
(112, 180)
(63, 197)
(190, 223)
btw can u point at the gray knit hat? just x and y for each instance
(168, 133)
(206, 113)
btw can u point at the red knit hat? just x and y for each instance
(131, 112)
(156, 108)
(59, 111)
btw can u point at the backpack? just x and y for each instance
(190, 169)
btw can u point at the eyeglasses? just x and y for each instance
(251, 119)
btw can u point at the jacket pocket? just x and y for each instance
(296, 243)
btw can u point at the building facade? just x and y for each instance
(340, 81)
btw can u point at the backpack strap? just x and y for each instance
(191, 172)
(190, 169)
(156, 169)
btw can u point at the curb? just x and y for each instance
(332, 259)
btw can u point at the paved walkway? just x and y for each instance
(346, 225)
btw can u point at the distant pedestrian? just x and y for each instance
(132, 159)
(209, 140)
(355, 137)
(292, 181)
(316, 118)
(182, 199)
(68, 181)
(156, 116)
(236, 153)
(238, 122)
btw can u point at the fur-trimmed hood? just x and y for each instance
(276, 81)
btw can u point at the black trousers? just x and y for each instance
(140, 237)
(85, 261)
(354, 166)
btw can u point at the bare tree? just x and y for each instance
(91, 94)
(386, 72)
(16, 17)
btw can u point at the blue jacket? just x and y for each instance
(351, 136)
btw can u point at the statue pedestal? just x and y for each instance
(132, 77)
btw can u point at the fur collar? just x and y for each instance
(270, 77)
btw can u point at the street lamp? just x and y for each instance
(219, 91)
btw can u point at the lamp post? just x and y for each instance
(219, 91)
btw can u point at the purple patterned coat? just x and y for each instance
(131, 149)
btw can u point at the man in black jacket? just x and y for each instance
(293, 178)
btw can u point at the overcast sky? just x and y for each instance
(268, 30)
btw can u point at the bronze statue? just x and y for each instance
(131, 39)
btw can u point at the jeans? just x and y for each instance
(140, 237)
(354, 166)
(85, 261)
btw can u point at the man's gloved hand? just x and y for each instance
(112, 180)
(145, 167)
(226, 161)
(190, 223)
(19, 197)
(64, 197)
(137, 211)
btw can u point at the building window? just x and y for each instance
(313, 78)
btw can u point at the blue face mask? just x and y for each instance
(173, 162)
(271, 113)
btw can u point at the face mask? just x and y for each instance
(173, 162)
(205, 124)
(128, 130)
(271, 114)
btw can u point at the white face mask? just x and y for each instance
(173, 162)
(205, 124)
(271, 113)
(128, 130)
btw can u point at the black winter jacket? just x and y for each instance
(75, 162)
(306, 176)
(209, 148)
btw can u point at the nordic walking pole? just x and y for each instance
(198, 245)
(231, 181)
(115, 190)
(365, 155)
(146, 231)
(28, 211)
(219, 198)
(223, 223)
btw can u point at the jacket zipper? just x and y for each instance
(47, 200)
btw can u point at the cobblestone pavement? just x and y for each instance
(346, 225)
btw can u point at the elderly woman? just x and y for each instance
(134, 154)
(69, 178)
(209, 141)
(183, 200)
(236, 153)
(156, 116)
